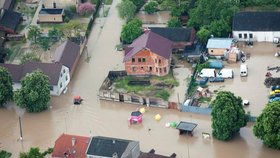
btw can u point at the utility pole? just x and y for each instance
(20, 129)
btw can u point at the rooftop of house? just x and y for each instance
(9, 19)
(151, 41)
(193, 50)
(256, 21)
(5, 4)
(20, 71)
(67, 53)
(174, 34)
(106, 147)
(220, 43)
(51, 11)
(70, 145)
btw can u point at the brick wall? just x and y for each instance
(146, 62)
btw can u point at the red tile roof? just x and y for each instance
(64, 145)
(151, 41)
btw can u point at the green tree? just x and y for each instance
(45, 43)
(34, 33)
(34, 94)
(6, 86)
(126, 10)
(220, 28)
(228, 115)
(131, 31)
(151, 7)
(267, 2)
(32, 153)
(29, 57)
(138, 3)
(5, 154)
(54, 34)
(203, 35)
(4, 54)
(174, 22)
(267, 127)
(73, 27)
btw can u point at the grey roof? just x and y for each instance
(175, 34)
(256, 21)
(51, 11)
(106, 147)
(186, 126)
(151, 41)
(10, 19)
(66, 54)
(6, 4)
(220, 43)
(20, 71)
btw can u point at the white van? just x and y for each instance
(243, 70)
(226, 73)
(207, 73)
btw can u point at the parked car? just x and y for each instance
(216, 79)
(207, 73)
(225, 73)
(202, 81)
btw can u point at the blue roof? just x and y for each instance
(219, 43)
(51, 11)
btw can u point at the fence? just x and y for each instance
(92, 19)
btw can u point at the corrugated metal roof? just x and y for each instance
(219, 43)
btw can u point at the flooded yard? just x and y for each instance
(94, 117)
(252, 87)
(160, 17)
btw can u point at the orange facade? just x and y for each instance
(146, 62)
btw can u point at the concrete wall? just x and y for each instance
(216, 51)
(51, 18)
(259, 36)
(151, 62)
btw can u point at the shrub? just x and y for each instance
(85, 8)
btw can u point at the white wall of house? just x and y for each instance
(63, 81)
(259, 36)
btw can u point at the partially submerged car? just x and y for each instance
(216, 79)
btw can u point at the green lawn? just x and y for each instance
(160, 87)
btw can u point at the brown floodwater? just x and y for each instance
(160, 17)
(106, 118)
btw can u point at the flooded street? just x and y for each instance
(106, 118)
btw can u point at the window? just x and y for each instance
(240, 35)
(139, 60)
(250, 35)
(64, 71)
(61, 75)
(245, 35)
(156, 69)
(60, 85)
(51, 88)
(212, 51)
(159, 61)
(133, 69)
(142, 68)
(143, 60)
(151, 68)
(155, 60)
(133, 60)
(66, 78)
(164, 69)
(160, 71)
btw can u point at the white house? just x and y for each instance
(256, 26)
(59, 75)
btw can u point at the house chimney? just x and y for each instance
(114, 141)
(73, 141)
(54, 5)
(146, 30)
(115, 155)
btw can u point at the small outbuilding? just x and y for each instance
(217, 46)
(186, 127)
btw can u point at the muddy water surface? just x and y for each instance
(105, 118)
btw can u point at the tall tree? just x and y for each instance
(267, 127)
(151, 7)
(34, 94)
(34, 33)
(29, 57)
(174, 22)
(72, 27)
(5, 154)
(203, 35)
(220, 28)
(138, 3)
(126, 10)
(54, 34)
(131, 31)
(45, 43)
(228, 115)
(6, 86)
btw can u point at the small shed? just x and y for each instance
(186, 127)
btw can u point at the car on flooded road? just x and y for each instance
(216, 79)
